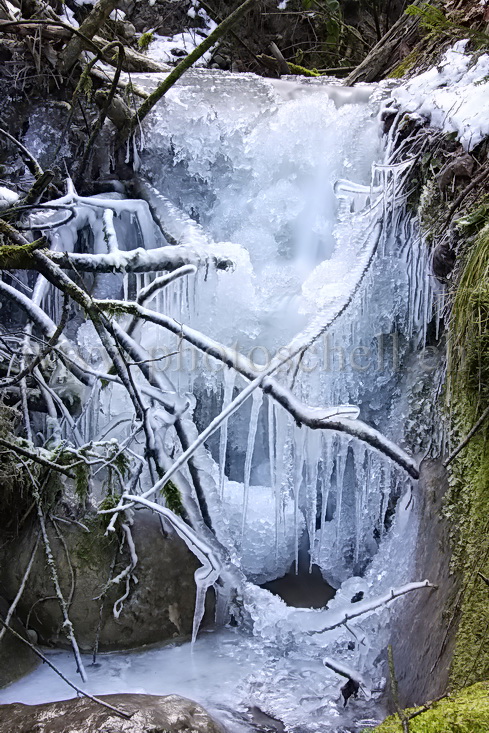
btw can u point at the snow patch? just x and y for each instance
(453, 96)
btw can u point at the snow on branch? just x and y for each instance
(341, 418)
(140, 260)
(339, 618)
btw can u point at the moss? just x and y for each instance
(172, 497)
(406, 65)
(465, 712)
(94, 545)
(434, 20)
(468, 499)
(301, 70)
(18, 257)
(144, 40)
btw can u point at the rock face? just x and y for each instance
(421, 644)
(150, 714)
(159, 606)
(16, 659)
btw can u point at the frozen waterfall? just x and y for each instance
(305, 261)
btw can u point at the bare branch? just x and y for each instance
(79, 690)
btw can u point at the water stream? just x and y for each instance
(293, 182)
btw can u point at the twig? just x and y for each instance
(105, 109)
(21, 451)
(45, 351)
(27, 156)
(483, 577)
(67, 625)
(427, 706)
(36, 651)
(473, 184)
(68, 559)
(17, 598)
(469, 435)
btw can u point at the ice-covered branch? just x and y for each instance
(141, 260)
(206, 575)
(127, 573)
(335, 418)
(340, 618)
(351, 674)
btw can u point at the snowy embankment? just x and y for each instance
(453, 96)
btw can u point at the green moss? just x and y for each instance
(144, 40)
(434, 20)
(301, 70)
(18, 257)
(468, 499)
(93, 546)
(406, 65)
(465, 712)
(172, 497)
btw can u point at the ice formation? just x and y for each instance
(298, 294)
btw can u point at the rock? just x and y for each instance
(462, 166)
(151, 714)
(16, 659)
(221, 61)
(122, 28)
(443, 261)
(159, 607)
(423, 651)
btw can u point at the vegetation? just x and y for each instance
(465, 712)
(468, 505)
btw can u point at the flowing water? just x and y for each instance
(294, 183)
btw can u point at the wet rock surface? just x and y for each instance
(16, 659)
(423, 641)
(159, 606)
(149, 714)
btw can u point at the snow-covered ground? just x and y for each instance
(453, 96)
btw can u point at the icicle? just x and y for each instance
(359, 456)
(386, 492)
(255, 412)
(340, 474)
(313, 446)
(223, 597)
(328, 462)
(271, 440)
(229, 380)
(206, 575)
(281, 430)
(299, 446)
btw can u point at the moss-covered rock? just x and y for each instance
(468, 505)
(465, 712)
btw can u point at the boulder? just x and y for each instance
(150, 714)
(16, 659)
(159, 607)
